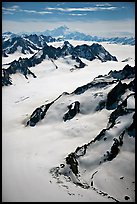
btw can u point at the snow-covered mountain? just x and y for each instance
(14, 44)
(68, 126)
(29, 43)
(39, 40)
(25, 44)
(57, 32)
(88, 165)
(95, 51)
(8, 35)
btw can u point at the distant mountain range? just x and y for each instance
(64, 33)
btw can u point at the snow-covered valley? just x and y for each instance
(34, 168)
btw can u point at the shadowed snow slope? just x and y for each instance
(63, 139)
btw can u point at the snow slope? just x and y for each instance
(29, 153)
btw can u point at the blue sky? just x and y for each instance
(95, 18)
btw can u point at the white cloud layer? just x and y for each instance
(17, 9)
(80, 9)
(35, 12)
(77, 14)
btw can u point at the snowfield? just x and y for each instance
(29, 153)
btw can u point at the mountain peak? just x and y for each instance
(63, 27)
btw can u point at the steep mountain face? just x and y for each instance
(39, 40)
(101, 53)
(92, 52)
(126, 73)
(8, 35)
(25, 44)
(18, 44)
(6, 80)
(20, 66)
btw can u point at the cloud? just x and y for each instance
(81, 9)
(12, 8)
(60, 4)
(44, 12)
(103, 4)
(8, 12)
(77, 14)
(35, 12)
(15, 8)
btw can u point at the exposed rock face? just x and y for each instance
(127, 72)
(94, 83)
(84, 51)
(114, 95)
(39, 40)
(25, 43)
(6, 80)
(71, 160)
(20, 66)
(20, 44)
(67, 49)
(114, 150)
(100, 52)
(131, 85)
(38, 114)
(120, 87)
(92, 52)
(131, 128)
(74, 108)
(81, 64)
(119, 111)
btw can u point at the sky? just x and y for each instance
(94, 18)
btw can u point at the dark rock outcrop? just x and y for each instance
(81, 64)
(94, 83)
(72, 161)
(74, 108)
(131, 128)
(114, 95)
(119, 111)
(126, 73)
(18, 43)
(100, 53)
(39, 40)
(131, 85)
(84, 51)
(20, 66)
(6, 80)
(38, 114)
